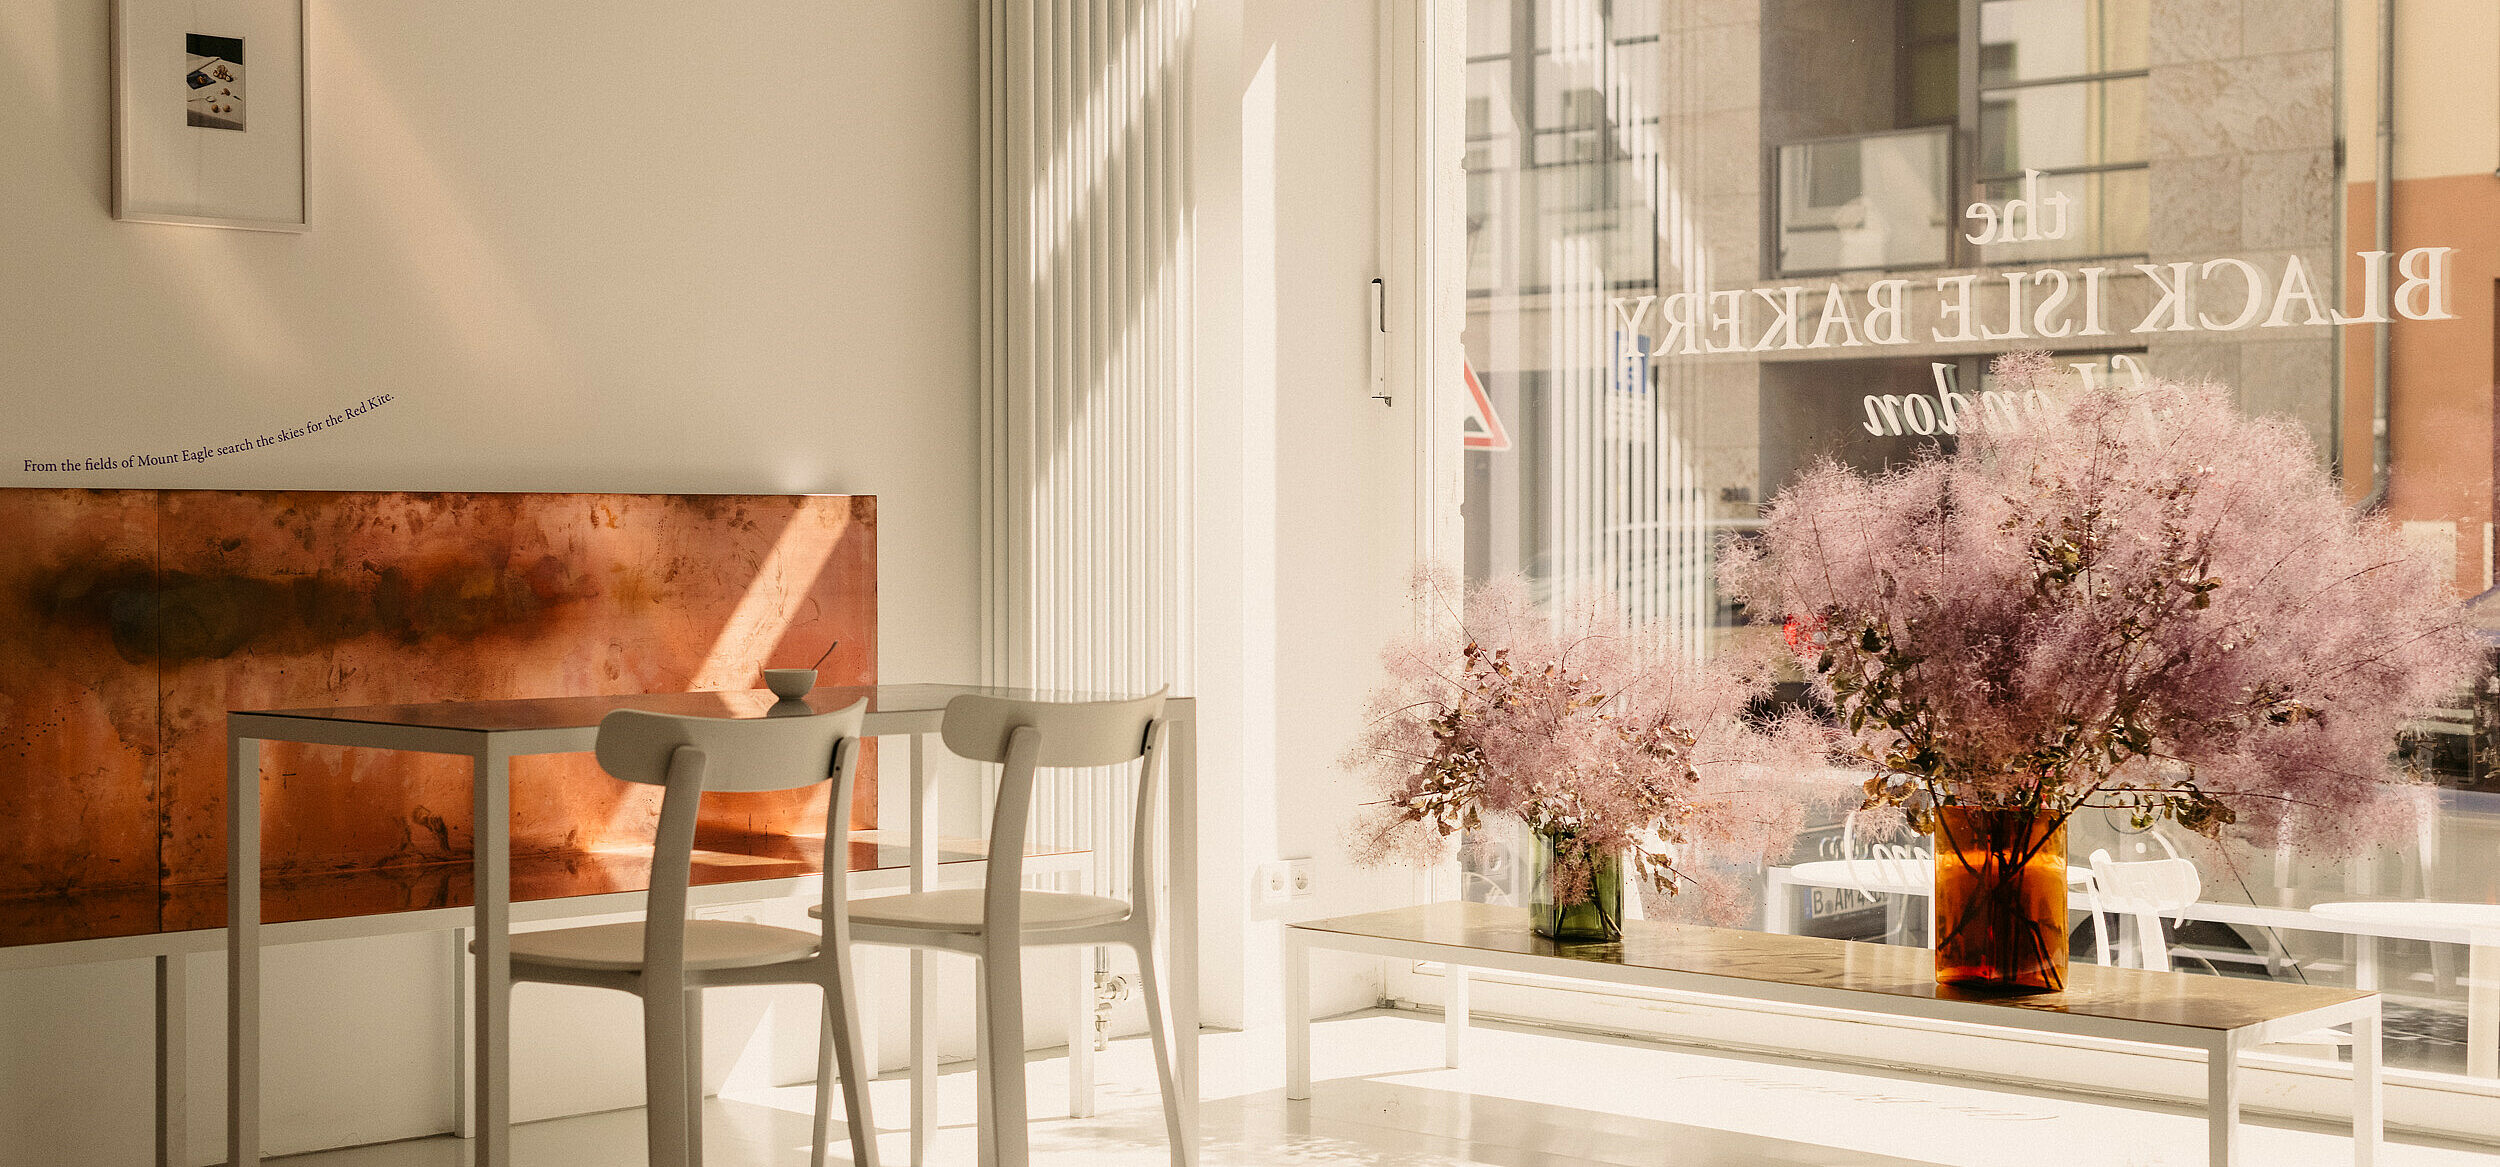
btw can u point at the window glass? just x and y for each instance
(1874, 201)
(1488, 27)
(1709, 244)
(2032, 40)
(2059, 127)
(2099, 213)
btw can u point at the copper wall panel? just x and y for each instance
(190, 603)
(78, 732)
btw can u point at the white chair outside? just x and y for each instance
(994, 923)
(668, 959)
(2141, 892)
(1889, 869)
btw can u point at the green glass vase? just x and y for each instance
(1592, 913)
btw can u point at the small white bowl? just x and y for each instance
(790, 684)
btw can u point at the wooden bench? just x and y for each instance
(2219, 1015)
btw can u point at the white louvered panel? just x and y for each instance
(1625, 513)
(1086, 397)
(1626, 516)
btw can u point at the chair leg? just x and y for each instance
(664, 1074)
(824, 1084)
(844, 1023)
(694, 1078)
(1081, 1035)
(1178, 1110)
(984, 1123)
(1002, 988)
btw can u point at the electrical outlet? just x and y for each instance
(1298, 875)
(1275, 883)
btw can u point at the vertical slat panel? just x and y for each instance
(1086, 403)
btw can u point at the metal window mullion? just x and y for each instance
(2070, 79)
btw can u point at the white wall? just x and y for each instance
(632, 246)
(698, 249)
(1306, 484)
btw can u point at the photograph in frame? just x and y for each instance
(193, 145)
(214, 74)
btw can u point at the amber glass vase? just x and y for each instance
(1581, 915)
(2000, 899)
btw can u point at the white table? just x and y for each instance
(492, 733)
(2477, 926)
(1873, 876)
(2220, 1016)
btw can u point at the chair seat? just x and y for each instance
(959, 910)
(710, 944)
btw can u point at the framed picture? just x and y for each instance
(209, 103)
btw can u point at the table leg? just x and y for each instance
(1779, 907)
(2222, 1102)
(463, 1058)
(2482, 1008)
(242, 951)
(1297, 1015)
(1453, 1014)
(924, 1005)
(871, 1049)
(491, 782)
(1181, 893)
(2369, 1093)
(173, 1080)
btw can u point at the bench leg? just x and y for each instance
(2369, 1099)
(2222, 1102)
(2482, 1009)
(1453, 1014)
(1297, 1015)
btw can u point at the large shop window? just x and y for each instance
(1710, 243)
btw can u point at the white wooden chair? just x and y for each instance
(2141, 892)
(668, 959)
(1892, 870)
(994, 923)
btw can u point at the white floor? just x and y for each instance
(1526, 1099)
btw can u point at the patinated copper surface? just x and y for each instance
(546, 875)
(2122, 994)
(130, 621)
(78, 727)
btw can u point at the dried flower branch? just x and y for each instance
(1583, 727)
(2151, 603)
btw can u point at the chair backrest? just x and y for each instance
(1073, 733)
(1888, 866)
(689, 755)
(1024, 736)
(739, 753)
(2145, 890)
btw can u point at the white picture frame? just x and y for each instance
(211, 104)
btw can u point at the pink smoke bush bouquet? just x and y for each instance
(2145, 601)
(1588, 730)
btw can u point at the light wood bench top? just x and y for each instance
(1813, 963)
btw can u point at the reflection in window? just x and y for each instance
(2062, 94)
(1562, 141)
(1635, 169)
(1869, 202)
